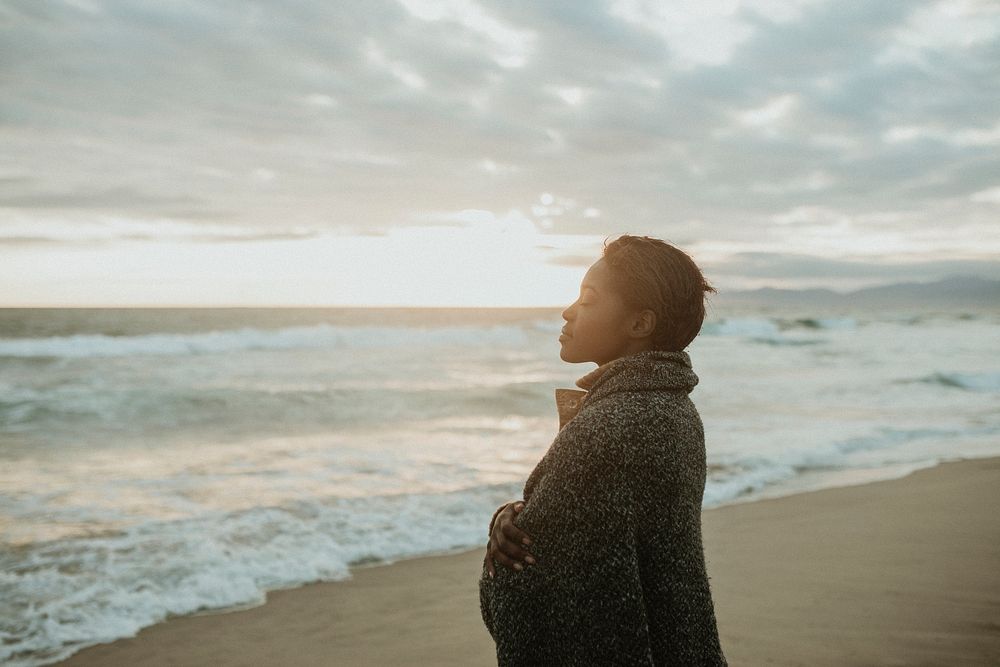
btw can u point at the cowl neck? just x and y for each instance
(646, 370)
(649, 370)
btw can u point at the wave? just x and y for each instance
(742, 326)
(248, 338)
(88, 590)
(548, 326)
(968, 381)
(770, 331)
(825, 323)
(262, 408)
(744, 477)
(787, 341)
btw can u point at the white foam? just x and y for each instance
(969, 381)
(548, 326)
(824, 462)
(85, 591)
(248, 338)
(837, 323)
(755, 327)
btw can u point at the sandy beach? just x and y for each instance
(898, 572)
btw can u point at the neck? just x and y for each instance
(630, 348)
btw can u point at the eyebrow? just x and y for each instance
(585, 286)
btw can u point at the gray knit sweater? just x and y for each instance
(614, 510)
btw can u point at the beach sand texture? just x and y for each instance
(898, 572)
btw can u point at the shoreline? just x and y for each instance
(865, 573)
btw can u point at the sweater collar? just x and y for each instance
(641, 371)
(648, 370)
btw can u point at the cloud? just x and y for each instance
(754, 269)
(713, 123)
(104, 230)
(115, 198)
(779, 265)
(991, 195)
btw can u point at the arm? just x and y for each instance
(671, 554)
(489, 531)
(582, 602)
(508, 544)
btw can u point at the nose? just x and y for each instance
(566, 314)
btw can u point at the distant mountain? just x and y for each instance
(953, 292)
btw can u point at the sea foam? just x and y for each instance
(249, 338)
(78, 592)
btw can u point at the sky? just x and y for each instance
(463, 153)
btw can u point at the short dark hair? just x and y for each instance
(650, 273)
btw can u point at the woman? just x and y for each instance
(603, 561)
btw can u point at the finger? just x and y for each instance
(514, 552)
(488, 560)
(522, 557)
(514, 559)
(510, 511)
(508, 562)
(511, 549)
(514, 534)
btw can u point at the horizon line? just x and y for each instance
(720, 294)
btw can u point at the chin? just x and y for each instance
(567, 355)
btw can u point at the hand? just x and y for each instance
(507, 541)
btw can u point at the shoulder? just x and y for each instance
(639, 413)
(611, 419)
(606, 431)
(643, 426)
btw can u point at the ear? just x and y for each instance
(643, 323)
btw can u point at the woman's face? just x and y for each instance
(599, 326)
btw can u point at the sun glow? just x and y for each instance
(462, 259)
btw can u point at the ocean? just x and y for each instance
(159, 462)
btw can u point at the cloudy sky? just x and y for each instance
(408, 152)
